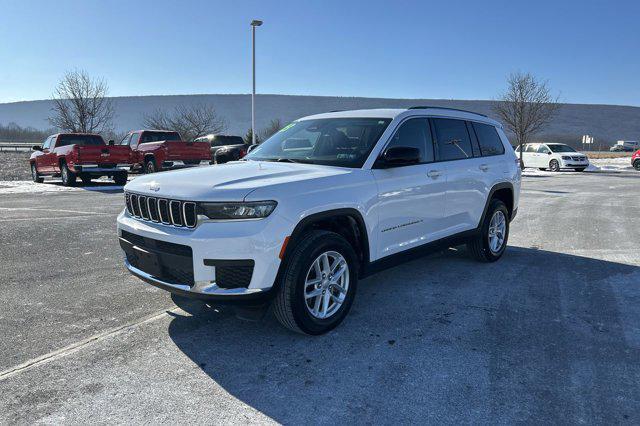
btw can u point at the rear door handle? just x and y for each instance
(484, 167)
(434, 174)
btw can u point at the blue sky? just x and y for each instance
(588, 50)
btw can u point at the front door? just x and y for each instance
(411, 197)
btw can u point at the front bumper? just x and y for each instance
(215, 243)
(571, 164)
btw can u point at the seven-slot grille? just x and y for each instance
(161, 210)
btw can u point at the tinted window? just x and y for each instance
(159, 136)
(489, 140)
(221, 140)
(415, 133)
(80, 140)
(343, 142)
(452, 139)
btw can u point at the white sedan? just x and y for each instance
(553, 156)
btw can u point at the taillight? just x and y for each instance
(243, 152)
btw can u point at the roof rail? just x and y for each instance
(451, 109)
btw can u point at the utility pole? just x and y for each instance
(255, 23)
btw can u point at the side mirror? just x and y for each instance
(36, 148)
(112, 142)
(549, 153)
(401, 156)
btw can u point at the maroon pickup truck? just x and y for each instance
(154, 150)
(84, 155)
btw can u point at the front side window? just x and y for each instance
(489, 140)
(135, 137)
(452, 139)
(341, 142)
(47, 143)
(415, 133)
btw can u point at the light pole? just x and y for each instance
(255, 23)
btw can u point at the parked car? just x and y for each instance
(155, 150)
(83, 155)
(625, 146)
(635, 160)
(553, 156)
(225, 148)
(330, 199)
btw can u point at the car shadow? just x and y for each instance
(538, 337)
(96, 186)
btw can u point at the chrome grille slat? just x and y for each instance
(160, 210)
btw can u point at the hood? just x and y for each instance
(226, 182)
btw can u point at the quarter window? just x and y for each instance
(489, 140)
(452, 139)
(415, 133)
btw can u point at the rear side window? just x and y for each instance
(415, 133)
(530, 148)
(80, 140)
(452, 139)
(489, 140)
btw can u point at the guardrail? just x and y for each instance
(17, 146)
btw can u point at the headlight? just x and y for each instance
(227, 211)
(564, 157)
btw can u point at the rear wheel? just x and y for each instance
(68, 177)
(490, 244)
(554, 166)
(120, 178)
(318, 284)
(34, 174)
(150, 166)
(636, 164)
(542, 168)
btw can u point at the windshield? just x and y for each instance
(561, 148)
(342, 142)
(159, 136)
(80, 140)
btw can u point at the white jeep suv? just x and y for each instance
(552, 156)
(328, 199)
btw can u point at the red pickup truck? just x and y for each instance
(83, 155)
(154, 150)
(635, 160)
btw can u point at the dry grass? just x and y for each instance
(15, 166)
(604, 154)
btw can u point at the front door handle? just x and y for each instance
(434, 174)
(484, 167)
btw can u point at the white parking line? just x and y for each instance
(75, 347)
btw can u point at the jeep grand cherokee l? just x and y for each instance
(326, 200)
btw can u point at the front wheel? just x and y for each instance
(120, 179)
(150, 166)
(68, 177)
(554, 166)
(34, 174)
(318, 284)
(490, 243)
(636, 165)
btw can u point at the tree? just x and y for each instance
(81, 104)
(248, 137)
(273, 128)
(526, 107)
(191, 121)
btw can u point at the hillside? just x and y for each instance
(607, 123)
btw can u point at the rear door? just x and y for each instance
(530, 155)
(543, 155)
(410, 201)
(466, 191)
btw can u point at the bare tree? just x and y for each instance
(81, 104)
(273, 128)
(526, 107)
(191, 121)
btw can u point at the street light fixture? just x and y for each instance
(255, 23)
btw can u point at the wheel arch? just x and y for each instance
(504, 192)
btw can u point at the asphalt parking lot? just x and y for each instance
(549, 334)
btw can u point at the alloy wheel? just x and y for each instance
(497, 230)
(326, 284)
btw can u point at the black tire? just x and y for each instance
(86, 179)
(479, 245)
(289, 305)
(150, 166)
(542, 168)
(68, 177)
(120, 179)
(636, 165)
(35, 175)
(580, 169)
(554, 166)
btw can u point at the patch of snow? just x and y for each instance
(54, 185)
